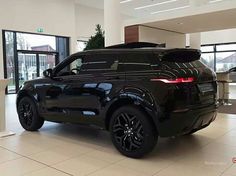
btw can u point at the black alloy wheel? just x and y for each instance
(128, 132)
(28, 115)
(132, 133)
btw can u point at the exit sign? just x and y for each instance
(40, 30)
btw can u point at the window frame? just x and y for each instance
(69, 60)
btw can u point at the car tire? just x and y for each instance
(132, 132)
(28, 115)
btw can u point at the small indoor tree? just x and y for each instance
(97, 41)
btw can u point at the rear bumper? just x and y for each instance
(180, 123)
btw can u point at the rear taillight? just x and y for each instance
(175, 81)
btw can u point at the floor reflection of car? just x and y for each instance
(138, 94)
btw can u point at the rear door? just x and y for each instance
(139, 70)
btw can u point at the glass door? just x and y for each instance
(46, 61)
(27, 67)
(31, 65)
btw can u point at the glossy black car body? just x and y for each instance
(171, 86)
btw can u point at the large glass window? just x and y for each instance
(219, 57)
(46, 61)
(34, 42)
(9, 61)
(225, 61)
(207, 48)
(208, 59)
(27, 55)
(226, 47)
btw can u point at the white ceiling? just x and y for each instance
(129, 7)
(199, 23)
(221, 19)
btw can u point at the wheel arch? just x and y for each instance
(24, 93)
(129, 101)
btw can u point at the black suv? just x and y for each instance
(138, 94)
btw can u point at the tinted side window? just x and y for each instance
(138, 62)
(74, 64)
(101, 63)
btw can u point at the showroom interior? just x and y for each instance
(37, 35)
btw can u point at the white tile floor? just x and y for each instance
(62, 150)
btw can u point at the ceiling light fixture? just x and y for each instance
(168, 10)
(157, 4)
(215, 1)
(125, 1)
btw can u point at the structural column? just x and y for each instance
(112, 22)
(1, 56)
(195, 40)
(3, 132)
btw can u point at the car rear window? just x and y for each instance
(181, 55)
(193, 64)
(181, 58)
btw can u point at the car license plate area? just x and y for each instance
(205, 88)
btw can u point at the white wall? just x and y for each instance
(222, 36)
(86, 20)
(214, 37)
(172, 39)
(56, 17)
(88, 17)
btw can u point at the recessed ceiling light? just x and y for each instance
(151, 5)
(215, 1)
(125, 1)
(168, 10)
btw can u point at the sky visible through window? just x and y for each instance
(31, 40)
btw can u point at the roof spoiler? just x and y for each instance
(181, 55)
(137, 45)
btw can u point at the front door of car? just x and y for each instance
(66, 97)
(81, 97)
(74, 98)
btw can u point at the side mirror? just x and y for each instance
(48, 73)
